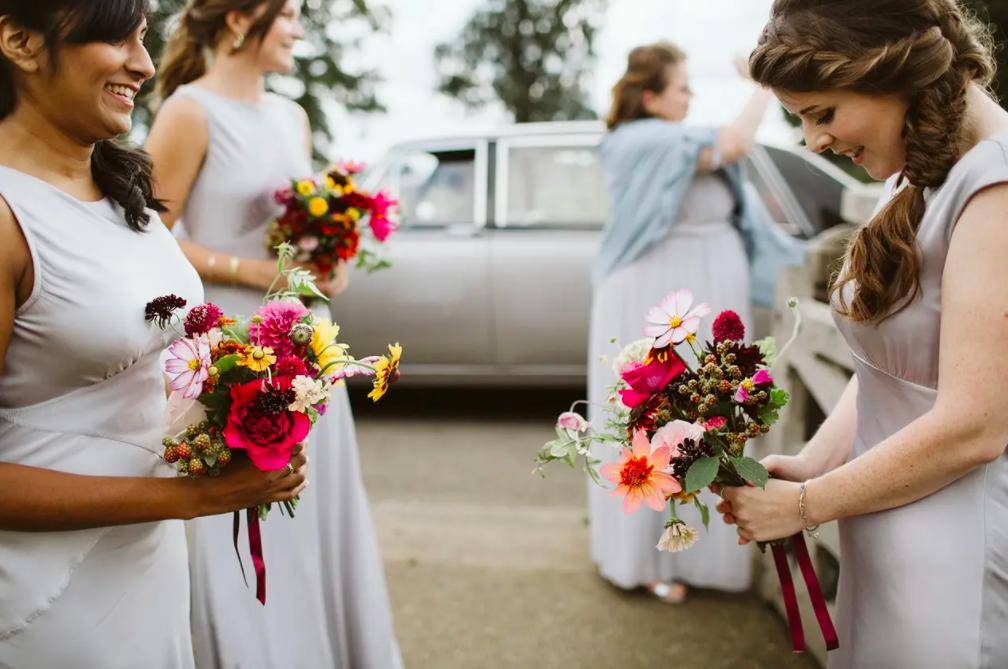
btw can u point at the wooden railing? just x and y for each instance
(815, 370)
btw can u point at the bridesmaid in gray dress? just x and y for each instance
(92, 548)
(221, 146)
(912, 460)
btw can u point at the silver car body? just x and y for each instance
(489, 282)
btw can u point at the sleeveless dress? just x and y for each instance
(704, 252)
(326, 601)
(924, 586)
(82, 392)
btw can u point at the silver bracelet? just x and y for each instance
(813, 531)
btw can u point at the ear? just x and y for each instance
(238, 23)
(24, 48)
(648, 101)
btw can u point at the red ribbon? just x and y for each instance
(791, 598)
(255, 548)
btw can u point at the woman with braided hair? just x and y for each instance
(912, 459)
(682, 216)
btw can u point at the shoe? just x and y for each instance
(670, 593)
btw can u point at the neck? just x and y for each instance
(984, 117)
(30, 143)
(235, 76)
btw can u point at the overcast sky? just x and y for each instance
(712, 32)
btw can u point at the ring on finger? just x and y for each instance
(289, 469)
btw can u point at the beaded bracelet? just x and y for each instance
(813, 531)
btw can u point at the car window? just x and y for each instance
(771, 198)
(819, 194)
(436, 188)
(555, 186)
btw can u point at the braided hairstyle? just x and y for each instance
(122, 173)
(929, 52)
(647, 70)
(202, 25)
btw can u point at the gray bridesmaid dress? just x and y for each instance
(326, 601)
(924, 586)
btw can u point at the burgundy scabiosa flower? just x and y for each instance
(728, 327)
(273, 323)
(202, 318)
(161, 309)
(291, 366)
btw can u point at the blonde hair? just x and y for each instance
(929, 51)
(647, 70)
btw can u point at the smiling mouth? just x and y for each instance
(854, 154)
(126, 93)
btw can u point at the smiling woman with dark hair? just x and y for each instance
(93, 566)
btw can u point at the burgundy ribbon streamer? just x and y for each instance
(234, 533)
(791, 598)
(255, 547)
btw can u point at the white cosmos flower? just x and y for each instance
(674, 319)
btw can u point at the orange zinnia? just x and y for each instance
(640, 475)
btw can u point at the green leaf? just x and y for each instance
(227, 363)
(704, 512)
(702, 473)
(768, 348)
(751, 470)
(559, 449)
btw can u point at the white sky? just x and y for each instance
(712, 32)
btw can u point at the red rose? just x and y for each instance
(260, 423)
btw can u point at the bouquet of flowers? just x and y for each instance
(680, 427)
(255, 384)
(328, 219)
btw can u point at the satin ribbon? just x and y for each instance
(255, 549)
(791, 597)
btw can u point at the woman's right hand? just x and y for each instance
(242, 486)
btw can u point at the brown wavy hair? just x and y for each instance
(647, 70)
(201, 25)
(929, 51)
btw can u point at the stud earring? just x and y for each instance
(239, 41)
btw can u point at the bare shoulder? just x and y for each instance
(180, 120)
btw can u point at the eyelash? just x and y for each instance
(827, 117)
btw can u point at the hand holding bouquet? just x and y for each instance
(328, 220)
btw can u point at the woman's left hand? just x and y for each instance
(763, 515)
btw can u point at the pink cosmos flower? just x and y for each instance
(380, 223)
(648, 377)
(745, 389)
(276, 320)
(674, 319)
(640, 475)
(570, 420)
(187, 368)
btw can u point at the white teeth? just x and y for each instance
(124, 91)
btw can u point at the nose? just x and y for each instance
(298, 29)
(817, 141)
(139, 62)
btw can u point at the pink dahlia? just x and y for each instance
(202, 318)
(272, 324)
(380, 223)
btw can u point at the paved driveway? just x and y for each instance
(488, 566)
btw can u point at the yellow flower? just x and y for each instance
(349, 187)
(306, 187)
(257, 358)
(353, 213)
(386, 372)
(330, 182)
(323, 343)
(317, 206)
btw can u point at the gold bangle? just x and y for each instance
(233, 269)
(211, 262)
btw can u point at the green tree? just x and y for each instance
(319, 73)
(533, 56)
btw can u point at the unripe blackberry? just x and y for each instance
(171, 454)
(202, 442)
(184, 451)
(197, 467)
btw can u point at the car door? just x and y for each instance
(550, 205)
(435, 297)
